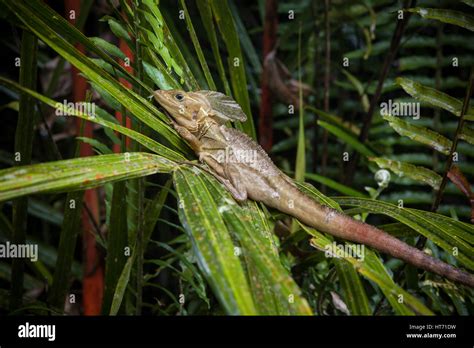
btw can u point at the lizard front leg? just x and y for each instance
(229, 178)
(188, 136)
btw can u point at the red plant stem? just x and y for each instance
(265, 126)
(93, 277)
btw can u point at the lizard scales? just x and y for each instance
(201, 123)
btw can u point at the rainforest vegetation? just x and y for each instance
(365, 103)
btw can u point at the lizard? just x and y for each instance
(247, 172)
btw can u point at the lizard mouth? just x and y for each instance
(162, 105)
(167, 113)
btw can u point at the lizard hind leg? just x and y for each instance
(240, 191)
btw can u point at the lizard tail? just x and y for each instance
(333, 222)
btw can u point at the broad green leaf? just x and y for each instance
(79, 173)
(434, 98)
(138, 106)
(274, 287)
(420, 134)
(112, 124)
(404, 169)
(446, 16)
(212, 244)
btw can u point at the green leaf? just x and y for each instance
(122, 285)
(274, 290)
(373, 269)
(138, 106)
(468, 2)
(153, 211)
(443, 231)
(99, 147)
(420, 134)
(24, 136)
(108, 47)
(67, 245)
(346, 190)
(434, 98)
(354, 293)
(69, 32)
(360, 89)
(166, 46)
(458, 18)
(112, 124)
(205, 10)
(338, 121)
(347, 138)
(212, 243)
(300, 165)
(162, 80)
(403, 169)
(197, 47)
(467, 134)
(79, 173)
(118, 29)
(247, 44)
(225, 23)
(117, 241)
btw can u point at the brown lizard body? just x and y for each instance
(246, 170)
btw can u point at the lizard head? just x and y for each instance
(186, 108)
(189, 109)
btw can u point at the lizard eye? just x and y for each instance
(179, 97)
